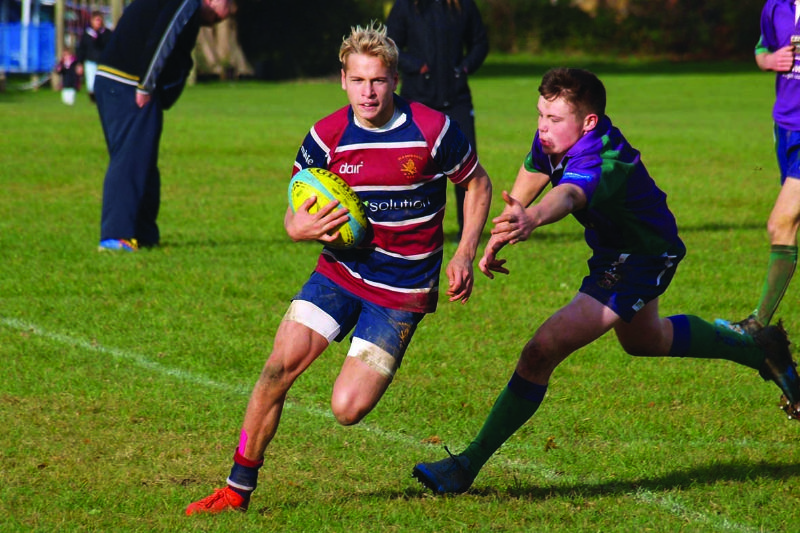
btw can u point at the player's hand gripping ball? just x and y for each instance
(327, 186)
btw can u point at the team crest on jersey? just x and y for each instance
(408, 165)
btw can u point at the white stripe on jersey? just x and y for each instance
(406, 222)
(380, 146)
(411, 187)
(321, 144)
(471, 170)
(435, 147)
(381, 285)
(416, 257)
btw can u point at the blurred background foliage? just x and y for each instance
(284, 39)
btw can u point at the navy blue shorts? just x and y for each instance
(380, 335)
(787, 148)
(626, 282)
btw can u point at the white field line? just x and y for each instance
(675, 508)
(644, 496)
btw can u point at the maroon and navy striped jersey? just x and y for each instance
(401, 176)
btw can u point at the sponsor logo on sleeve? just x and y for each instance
(306, 156)
(574, 176)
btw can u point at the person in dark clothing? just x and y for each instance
(441, 42)
(90, 48)
(67, 68)
(142, 72)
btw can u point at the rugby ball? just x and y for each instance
(327, 186)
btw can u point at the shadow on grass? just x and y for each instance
(722, 226)
(9, 97)
(221, 243)
(648, 487)
(682, 479)
(547, 235)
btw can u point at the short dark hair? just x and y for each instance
(580, 88)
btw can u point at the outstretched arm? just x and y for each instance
(527, 187)
(477, 200)
(517, 221)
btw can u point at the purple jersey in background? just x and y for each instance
(778, 26)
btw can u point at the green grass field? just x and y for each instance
(125, 377)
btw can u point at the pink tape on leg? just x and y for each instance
(242, 442)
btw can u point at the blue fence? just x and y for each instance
(27, 49)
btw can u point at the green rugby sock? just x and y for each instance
(515, 406)
(694, 337)
(782, 262)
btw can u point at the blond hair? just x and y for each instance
(372, 41)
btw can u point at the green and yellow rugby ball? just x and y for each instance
(327, 186)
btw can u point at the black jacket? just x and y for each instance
(92, 44)
(153, 43)
(452, 42)
(69, 74)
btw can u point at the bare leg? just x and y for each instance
(295, 348)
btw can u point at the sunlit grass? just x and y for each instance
(125, 377)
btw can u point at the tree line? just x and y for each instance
(285, 39)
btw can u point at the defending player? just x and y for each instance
(398, 157)
(599, 179)
(777, 52)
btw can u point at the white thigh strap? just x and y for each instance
(313, 317)
(374, 356)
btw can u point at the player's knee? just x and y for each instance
(535, 357)
(773, 228)
(348, 411)
(636, 349)
(271, 372)
(347, 417)
(648, 346)
(532, 351)
(782, 228)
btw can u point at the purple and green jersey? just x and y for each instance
(779, 26)
(626, 212)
